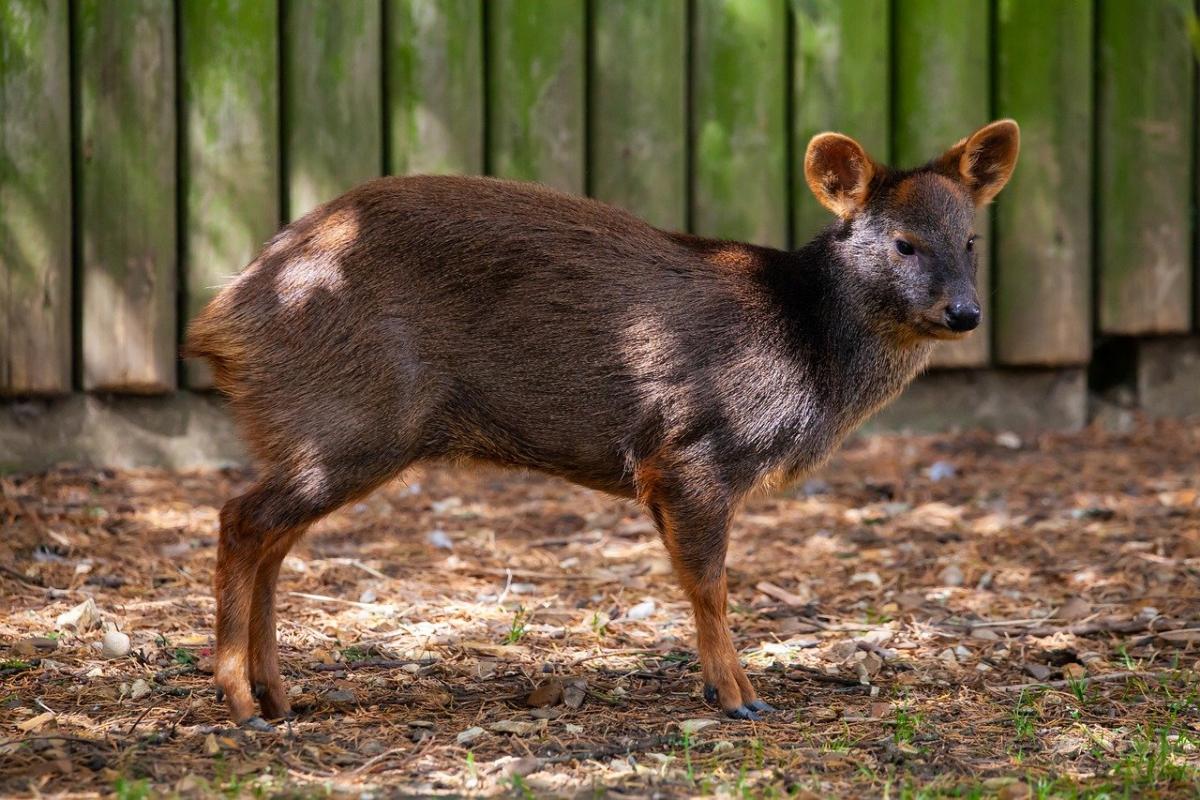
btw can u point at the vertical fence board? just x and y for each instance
(35, 198)
(332, 99)
(125, 72)
(739, 101)
(1043, 218)
(1144, 184)
(230, 128)
(638, 101)
(941, 95)
(841, 82)
(435, 86)
(536, 90)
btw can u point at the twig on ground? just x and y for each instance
(1063, 684)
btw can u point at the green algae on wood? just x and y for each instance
(230, 154)
(332, 99)
(536, 91)
(35, 198)
(941, 95)
(840, 69)
(125, 73)
(739, 126)
(1144, 104)
(638, 108)
(434, 62)
(1042, 250)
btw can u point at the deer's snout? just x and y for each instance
(963, 316)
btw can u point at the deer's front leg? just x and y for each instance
(695, 529)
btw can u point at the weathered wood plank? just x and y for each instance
(638, 101)
(35, 198)
(1143, 140)
(739, 101)
(1043, 219)
(536, 91)
(435, 86)
(941, 95)
(332, 99)
(230, 156)
(841, 82)
(125, 73)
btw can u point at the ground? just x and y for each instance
(971, 615)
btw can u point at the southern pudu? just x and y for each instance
(482, 320)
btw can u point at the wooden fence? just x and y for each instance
(149, 147)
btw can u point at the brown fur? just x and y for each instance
(482, 320)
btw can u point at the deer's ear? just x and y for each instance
(839, 172)
(984, 161)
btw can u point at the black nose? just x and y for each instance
(963, 316)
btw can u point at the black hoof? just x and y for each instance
(220, 695)
(257, 723)
(743, 713)
(760, 707)
(710, 695)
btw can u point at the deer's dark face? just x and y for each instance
(910, 236)
(914, 245)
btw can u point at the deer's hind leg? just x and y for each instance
(262, 521)
(264, 649)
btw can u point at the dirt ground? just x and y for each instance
(966, 616)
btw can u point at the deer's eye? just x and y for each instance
(971, 243)
(904, 248)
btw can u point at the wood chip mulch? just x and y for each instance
(966, 615)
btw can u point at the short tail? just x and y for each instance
(209, 336)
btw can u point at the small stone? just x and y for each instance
(940, 471)
(951, 576)
(368, 596)
(642, 610)
(115, 645)
(948, 656)
(1039, 672)
(961, 652)
(340, 697)
(571, 727)
(548, 694)
(469, 735)
(210, 745)
(372, 747)
(139, 689)
(439, 539)
(880, 710)
(1008, 439)
(690, 726)
(986, 634)
(83, 617)
(574, 693)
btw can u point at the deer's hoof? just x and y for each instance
(760, 707)
(257, 723)
(743, 713)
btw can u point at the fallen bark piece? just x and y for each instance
(548, 694)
